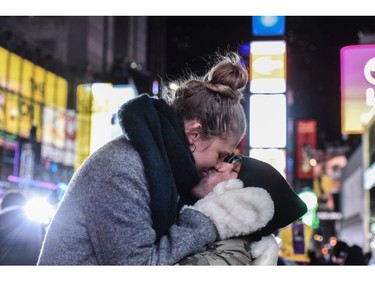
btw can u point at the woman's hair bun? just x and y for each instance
(228, 77)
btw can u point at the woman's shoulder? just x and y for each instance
(114, 156)
(116, 149)
(116, 162)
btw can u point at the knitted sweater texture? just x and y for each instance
(105, 218)
(121, 206)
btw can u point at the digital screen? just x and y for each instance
(273, 156)
(357, 87)
(267, 67)
(267, 121)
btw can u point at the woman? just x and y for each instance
(122, 205)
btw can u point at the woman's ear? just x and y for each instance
(192, 130)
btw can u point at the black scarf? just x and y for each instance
(157, 133)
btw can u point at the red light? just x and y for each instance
(324, 251)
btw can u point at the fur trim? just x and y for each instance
(265, 251)
(235, 210)
(227, 185)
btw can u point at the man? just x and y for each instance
(275, 205)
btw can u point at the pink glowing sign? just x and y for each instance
(357, 87)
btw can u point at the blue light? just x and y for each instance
(244, 50)
(268, 25)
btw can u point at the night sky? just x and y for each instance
(313, 58)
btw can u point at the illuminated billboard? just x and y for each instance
(273, 156)
(120, 95)
(61, 95)
(27, 76)
(37, 82)
(14, 81)
(38, 119)
(2, 110)
(11, 113)
(83, 123)
(267, 67)
(100, 132)
(54, 123)
(268, 25)
(357, 87)
(306, 144)
(3, 66)
(97, 105)
(50, 89)
(70, 138)
(267, 121)
(25, 117)
(26, 88)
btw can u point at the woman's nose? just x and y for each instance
(218, 165)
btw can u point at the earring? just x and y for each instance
(192, 150)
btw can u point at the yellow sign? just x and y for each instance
(30, 87)
(38, 83)
(27, 76)
(83, 124)
(62, 93)
(14, 81)
(3, 66)
(50, 89)
(2, 110)
(11, 113)
(38, 120)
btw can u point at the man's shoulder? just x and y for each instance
(226, 252)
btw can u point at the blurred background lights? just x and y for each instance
(269, 20)
(39, 209)
(267, 131)
(313, 162)
(318, 237)
(310, 199)
(333, 241)
(268, 25)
